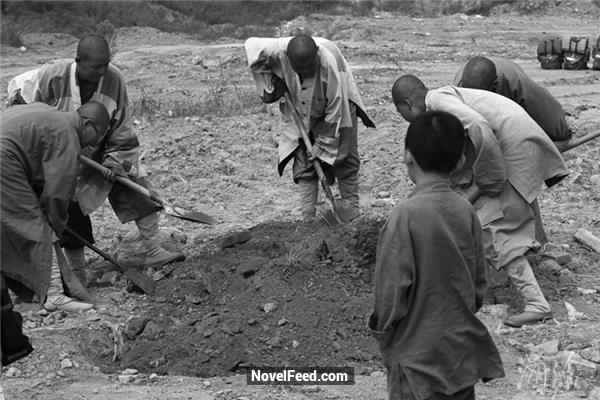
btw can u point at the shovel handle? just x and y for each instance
(579, 141)
(94, 248)
(120, 179)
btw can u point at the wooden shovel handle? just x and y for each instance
(579, 141)
(120, 179)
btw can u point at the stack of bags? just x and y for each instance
(569, 52)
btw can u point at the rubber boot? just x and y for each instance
(156, 255)
(56, 298)
(76, 258)
(14, 344)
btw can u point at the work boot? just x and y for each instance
(156, 255)
(527, 318)
(65, 303)
(76, 258)
(14, 344)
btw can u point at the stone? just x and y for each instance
(591, 354)
(109, 278)
(282, 322)
(295, 344)
(566, 277)
(126, 378)
(129, 371)
(310, 389)
(152, 330)
(12, 372)
(275, 341)
(153, 377)
(550, 266)
(235, 238)
(66, 363)
(383, 195)
(547, 348)
(134, 327)
(563, 259)
(268, 307)
(377, 374)
(206, 384)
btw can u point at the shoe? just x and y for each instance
(161, 257)
(64, 303)
(527, 318)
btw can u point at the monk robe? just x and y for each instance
(542, 107)
(502, 137)
(39, 166)
(57, 84)
(430, 279)
(329, 114)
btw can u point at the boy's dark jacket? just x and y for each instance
(430, 279)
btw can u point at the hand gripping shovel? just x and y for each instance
(332, 215)
(172, 210)
(139, 279)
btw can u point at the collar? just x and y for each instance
(433, 185)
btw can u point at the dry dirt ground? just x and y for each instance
(286, 292)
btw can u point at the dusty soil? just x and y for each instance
(287, 292)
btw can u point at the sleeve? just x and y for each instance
(326, 131)
(60, 167)
(480, 267)
(489, 168)
(394, 277)
(120, 142)
(25, 88)
(458, 77)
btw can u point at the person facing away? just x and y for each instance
(66, 85)
(39, 161)
(319, 96)
(508, 79)
(430, 276)
(508, 159)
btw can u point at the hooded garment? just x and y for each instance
(430, 279)
(542, 107)
(330, 109)
(57, 84)
(39, 149)
(509, 157)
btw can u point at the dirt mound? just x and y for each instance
(291, 294)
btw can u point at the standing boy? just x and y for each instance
(430, 276)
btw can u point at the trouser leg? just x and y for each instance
(308, 190)
(156, 255)
(349, 189)
(522, 276)
(14, 345)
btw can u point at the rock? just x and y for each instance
(268, 307)
(235, 238)
(581, 367)
(126, 378)
(310, 389)
(295, 344)
(550, 266)
(572, 313)
(591, 354)
(586, 291)
(43, 312)
(109, 279)
(383, 195)
(157, 276)
(275, 341)
(12, 372)
(282, 322)
(377, 374)
(248, 269)
(566, 277)
(206, 384)
(153, 377)
(563, 259)
(152, 330)
(547, 348)
(61, 373)
(66, 363)
(134, 327)
(129, 371)
(251, 321)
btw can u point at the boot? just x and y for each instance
(156, 255)
(56, 298)
(14, 344)
(76, 258)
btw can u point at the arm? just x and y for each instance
(60, 167)
(25, 89)
(480, 267)
(394, 276)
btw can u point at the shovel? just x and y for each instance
(328, 210)
(139, 279)
(172, 210)
(579, 141)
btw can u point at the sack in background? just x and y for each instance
(576, 52)
(549, 52)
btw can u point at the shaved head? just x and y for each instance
(97, 114)
(479, 73)
(409, 94)
(302, 52)
(91, 46)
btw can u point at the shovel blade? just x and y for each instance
(342, 212)
(189, 215)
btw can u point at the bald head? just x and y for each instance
(409, 94)
(96, 122)
(302, 52)
(479, 73)
(92, 45)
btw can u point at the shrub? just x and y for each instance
(11, 34)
